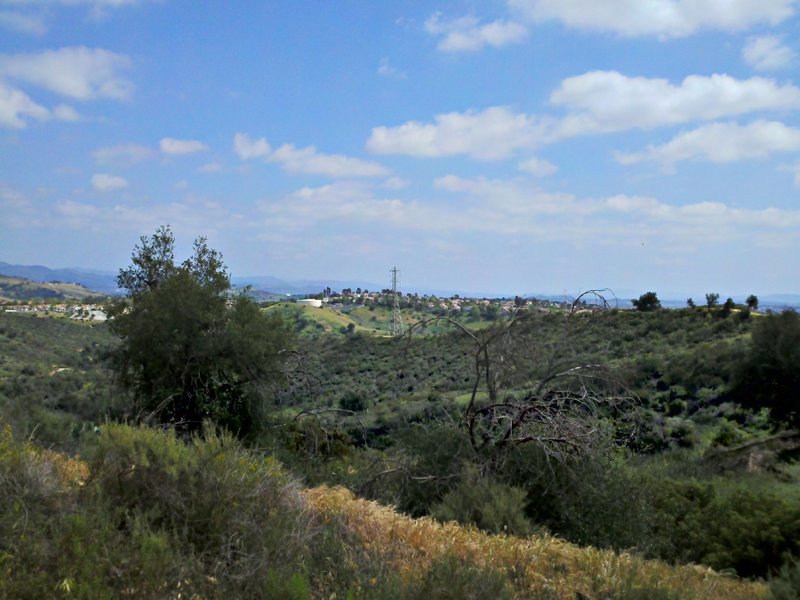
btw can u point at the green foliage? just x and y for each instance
(155, 518)
(187, 352)
(54, 383)
(728, 434)
(769, 374)
(647, 302)
(786, 584)
(490, 505)
(732, 526)
(452, 578)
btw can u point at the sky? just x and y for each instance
(500, 146)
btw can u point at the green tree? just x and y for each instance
(647, 302)
(728, 307)
(752, 302)
(690, 303)
(769, 375)
(712, 299)
(190, 351)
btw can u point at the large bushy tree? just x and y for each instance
(647, 302)
(191, 350)
(769, 376)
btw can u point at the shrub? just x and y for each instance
(490, 505)
(786, 585)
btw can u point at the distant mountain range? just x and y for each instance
(100, 281)
(105, 282)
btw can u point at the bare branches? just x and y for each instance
(530, 389)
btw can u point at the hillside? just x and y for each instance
(119, 525)
(15, 289)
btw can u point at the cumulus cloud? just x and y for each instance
(514, 208)
(490, 134)
(306, 160)
(606, 101)
(537, 167)
(16, 107)
(722, 143)
(660, 18)
(123, 155)
(595, 102)
(247, 148)
(466, 34)
(77, 72)
(174, 146)
(103, 182)
(767, 53)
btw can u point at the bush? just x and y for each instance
(155, 518)
(786, 585)
(452, 578)
(492, 506)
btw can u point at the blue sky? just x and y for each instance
(499, 146)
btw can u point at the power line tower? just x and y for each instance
(397, 318)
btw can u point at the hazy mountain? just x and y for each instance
(100, 281)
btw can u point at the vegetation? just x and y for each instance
(647, 302)
(150, 516)
(769, 375)
(15, 289)
(187, 352)
(506, 423)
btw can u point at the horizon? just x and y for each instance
(671, 298)
(514, 144)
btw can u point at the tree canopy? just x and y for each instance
(769, 376)
(647, 302)
(191, 350)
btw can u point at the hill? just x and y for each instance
(20, 289)
(95, 280)
(151, 516)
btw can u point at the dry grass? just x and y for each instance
(538, 566)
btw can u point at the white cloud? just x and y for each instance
(16, 107)
(77, 72)
(722, 143)
(518, 208)
(513, 208)
(16, 21)
(385, 69)
(466, 34)
(123, 155)
(173, 146)
(306, 160)
(490, 134)
(606, 101)
(595, 102)
(396, 183)
(661, 18)
(103, 182)
(767, 53)
(538, 167)
(247, 148)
